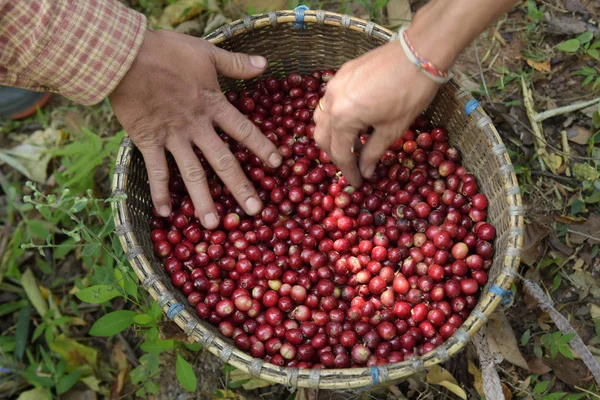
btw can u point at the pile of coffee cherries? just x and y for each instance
(329, 276)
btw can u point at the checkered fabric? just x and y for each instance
(78, 48)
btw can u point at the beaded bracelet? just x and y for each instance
(424, 66)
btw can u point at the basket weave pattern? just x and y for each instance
(327, 40)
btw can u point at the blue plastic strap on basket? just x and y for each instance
(175, 309)
(299, 24)
(471, 106)
(375, 375)
(505, 294)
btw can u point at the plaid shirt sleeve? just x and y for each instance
(80, 49)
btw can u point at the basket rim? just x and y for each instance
(346, 378)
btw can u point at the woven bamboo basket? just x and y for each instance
(302, 41)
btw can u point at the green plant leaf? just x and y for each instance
(90, 249)
(587, 80)
(151, 387)
(565, 351)
(238, 384)
(593, 198)
(525, 338)
(142, 319)
(66, 382)
(113, 323)
(9, 308)
(32, 377)
(8, 343)
(554, 396)
(48, 363)
(568, 46)
(553, 350)
(33, 292)
(541, 387)
(574, 396)
(556, 283)
(38, 331)
(155, 310)
(22, 332)
(38, 228)
(98, 294)
(157, 346)
(35, 394)
(595, 250)
(126, 282)
(537, 350)
(138, 375)
(564, 339)
(193, 346)
(185, 374)
(594, 54)
(585, 37)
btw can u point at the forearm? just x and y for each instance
(443, 28)
(78, 48)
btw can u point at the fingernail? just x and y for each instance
(368, 171)
(164, 210)
(275, 160)
(210, 220)
(252, 205)
(258, 61)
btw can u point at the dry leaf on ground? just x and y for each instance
(501, 339)
(572, 372)
(32, 156)
(182, 10)
(579, 134)
(559, 246)
(259, 6)
(169, 330)
(250, 383)
(588, 230)
(585, 282)
(534, 234)
(118, 357)
(477, 380)
(76, 355)
(543, 66)
(575, 6)
(118, 384)
(437, 375)
(537, 366)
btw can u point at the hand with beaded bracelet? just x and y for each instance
(388, 87)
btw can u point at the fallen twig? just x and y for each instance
(567, 150)
(539, 117)
(566, 179)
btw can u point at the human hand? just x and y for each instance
(382, 89)
(170, 99)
